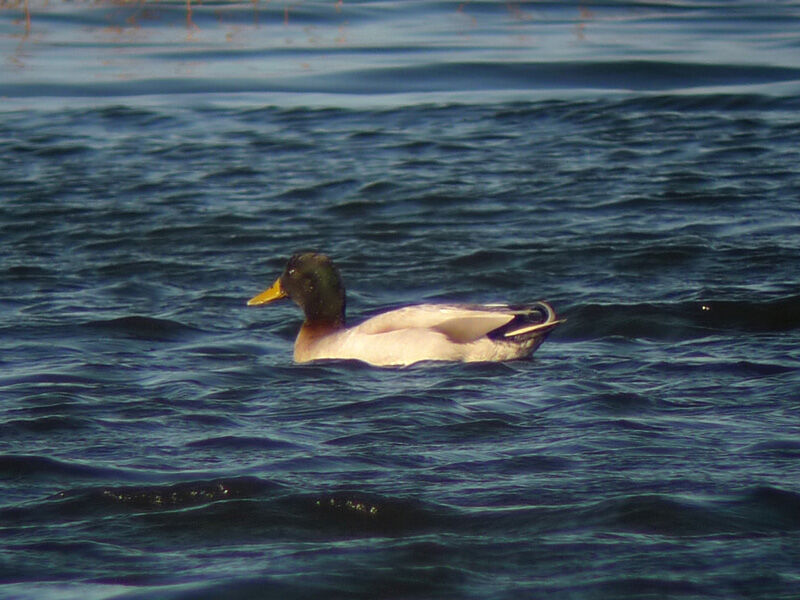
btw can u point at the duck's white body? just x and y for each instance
(435, 332)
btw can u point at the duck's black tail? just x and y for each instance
(533, 321)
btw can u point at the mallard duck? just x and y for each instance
(436, 332)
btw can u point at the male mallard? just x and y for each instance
(451, 332)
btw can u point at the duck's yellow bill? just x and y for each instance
(276, 292)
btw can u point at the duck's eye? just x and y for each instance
(292, 271)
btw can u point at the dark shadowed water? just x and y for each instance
(636, 164)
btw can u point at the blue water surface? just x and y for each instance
(633, 163)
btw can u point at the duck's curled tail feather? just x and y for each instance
(534, 320)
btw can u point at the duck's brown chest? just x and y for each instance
(311, 333)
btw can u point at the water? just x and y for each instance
(635, 164)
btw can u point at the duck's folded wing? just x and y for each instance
(519, 323)
(460, 323)
(463, 330)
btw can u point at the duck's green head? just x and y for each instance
(313, 282)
